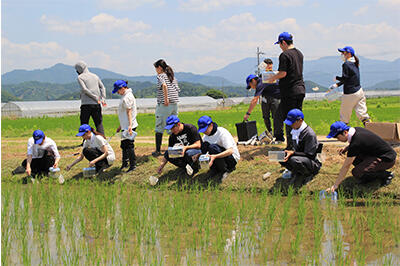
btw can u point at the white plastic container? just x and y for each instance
(54, 172)
(175, 152)
(266, 75)
(89, 171)
(276, 156)
(323, 194)
(204, 161)
(153, 180)
(333, 95)
(125, 135)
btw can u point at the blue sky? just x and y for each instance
(127, 36)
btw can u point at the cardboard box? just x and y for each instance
(388, 131)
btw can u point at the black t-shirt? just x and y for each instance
(365, 142)
(291, 61)
(188, 136)
(267, 89)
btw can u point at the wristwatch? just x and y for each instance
(247, 113)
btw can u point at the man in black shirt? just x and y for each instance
(370, 154)
(301, 162)
(290, 75)
(184, 135)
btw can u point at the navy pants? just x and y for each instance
(221, 165)
(302, 166)
(91, 154)
(186, 159)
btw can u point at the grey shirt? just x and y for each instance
(308, 144)
(92, 89)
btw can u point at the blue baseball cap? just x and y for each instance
(172, 120)
(38, 136)
(293, 116)
(119, 84)
(83, 129)
(284, 36)
(337, 128)
(203, 123)
(249, 78)
(348, 49)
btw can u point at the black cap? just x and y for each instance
(268, 61)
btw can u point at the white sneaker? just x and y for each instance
(224, 177)
(286, 174)
(189, 170)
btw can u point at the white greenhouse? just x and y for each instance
(61, 108)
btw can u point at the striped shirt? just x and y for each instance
(173, 89)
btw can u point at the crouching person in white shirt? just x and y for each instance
(41, 155)
(95, 149)
(221, 146)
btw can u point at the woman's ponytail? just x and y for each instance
(357, 63)
(166, 68)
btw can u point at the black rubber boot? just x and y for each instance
(132, 159)
(125, 159)
(158, 145)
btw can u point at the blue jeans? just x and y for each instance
(186, 159)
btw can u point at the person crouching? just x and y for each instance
(184, 135)
(301, 162)
(95, 149)
(221, 146)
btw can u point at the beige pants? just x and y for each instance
(354, 101)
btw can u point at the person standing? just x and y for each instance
(93, 95)
(369, 153)
(219, 143)
(42, 153)
(353, 95)
(167, 100)
(270, 99)
(301, 162)
(95, 149)
(186, 136)
(127, 123)
(291, 83)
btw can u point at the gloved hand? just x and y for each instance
(333, 86)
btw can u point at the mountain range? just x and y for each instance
(322, 71)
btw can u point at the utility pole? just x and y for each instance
(258, 60)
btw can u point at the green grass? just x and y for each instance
(95, 223)
(318, 114)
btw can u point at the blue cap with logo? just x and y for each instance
(284, 36)
(293, 116)
(172, 120)
(83, 129)
(249, 78)
(203, 123)
(119, 84)
(38, 136)
(337, 128)
(347, 49)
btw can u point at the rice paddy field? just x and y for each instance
(119, 219)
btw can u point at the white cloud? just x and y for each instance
(34, 55)
(130, 4)
(390, 4)
(101, 23)
(361, 11)
(210, 5)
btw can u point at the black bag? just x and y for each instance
(246, 130)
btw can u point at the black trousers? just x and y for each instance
(128, 152)
(94, 111)
(302, 166)
(91, 154)
(40, 165)
(271, 106)
(221, 165)
(285, 106)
